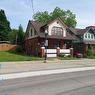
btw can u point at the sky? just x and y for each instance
(20, 11)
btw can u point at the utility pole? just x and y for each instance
(32, 2)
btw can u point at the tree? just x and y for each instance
(20, 35)
(42, 16)
(13, 36)
(4, 26)
(67, 16)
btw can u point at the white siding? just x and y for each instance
(87, 36)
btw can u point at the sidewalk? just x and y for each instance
(29, 66)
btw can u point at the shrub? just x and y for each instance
(62, 55)
(90, 51)
(19, 49)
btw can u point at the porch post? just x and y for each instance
(42, 51)
(58, 51)
(71, 51)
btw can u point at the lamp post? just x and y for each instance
(46, 44)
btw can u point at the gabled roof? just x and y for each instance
(81, 32)
(39, 27)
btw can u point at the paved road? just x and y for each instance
(15, 67)
(78, 83)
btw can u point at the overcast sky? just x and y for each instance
(20, 11)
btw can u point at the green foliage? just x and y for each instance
(20, 35)
(90, 51)
(13, 36)
(42, 16)
(4, 26)
(19, 49)
(67, 16)
(62, 55)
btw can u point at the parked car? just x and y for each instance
(79, 55)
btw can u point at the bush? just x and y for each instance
(90, 51)
(61, 55)
(64, 55)
(19, 49)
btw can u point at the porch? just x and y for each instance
(54, 43)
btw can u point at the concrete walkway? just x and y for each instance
(29, 66)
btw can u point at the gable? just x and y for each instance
(57, 24)
(89, 35)
(30, 31)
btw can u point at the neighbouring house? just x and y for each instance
(87, 38)
(59, 35)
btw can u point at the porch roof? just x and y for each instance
(89, 42)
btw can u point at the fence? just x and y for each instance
(51, 53)
(7, 47)
(55, 52)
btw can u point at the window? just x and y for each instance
(31, 32)
(92, 36)
(89, 36)
(57, 31)
(85, 35)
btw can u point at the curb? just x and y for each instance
(42, 73)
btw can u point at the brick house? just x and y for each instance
(59, 35)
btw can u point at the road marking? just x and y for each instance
(40, 73)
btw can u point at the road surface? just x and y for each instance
(77, 83)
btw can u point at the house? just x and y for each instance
(87, 38)
(59, 35)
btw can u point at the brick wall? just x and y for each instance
(31, 46)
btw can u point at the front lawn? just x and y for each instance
(10, 56)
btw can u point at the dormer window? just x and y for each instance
(57, 31)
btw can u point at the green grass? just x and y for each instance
(91, 57)
(11, 56)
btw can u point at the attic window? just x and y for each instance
(57, 31)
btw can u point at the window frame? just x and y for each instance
(58, 31)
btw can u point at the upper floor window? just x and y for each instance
(57, 31)
(89, 36)
(92, 36)
(31, 32)
(85, 35)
